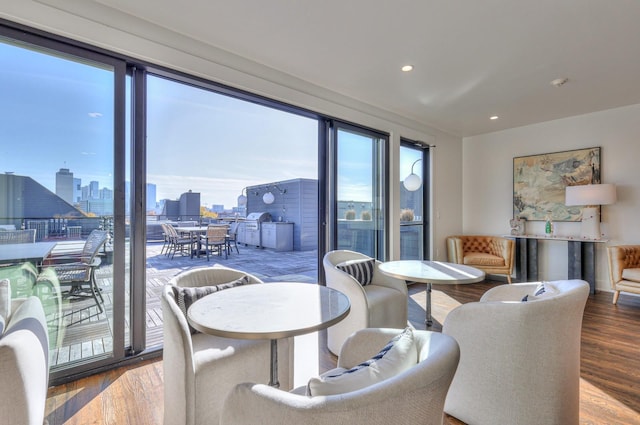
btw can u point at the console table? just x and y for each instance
(581, 257)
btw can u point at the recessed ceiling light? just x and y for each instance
(493, 117)
(407, 68)
(559, 82)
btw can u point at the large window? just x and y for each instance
(413, 195)
(60, 142)
(359, 206)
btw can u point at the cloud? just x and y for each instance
(94, 114)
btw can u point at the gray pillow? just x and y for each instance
(185, 296)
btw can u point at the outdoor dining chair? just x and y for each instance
(215, 240)
(80, 273)
(177, 242)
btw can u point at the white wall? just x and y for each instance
(488, 180)
(101, 26)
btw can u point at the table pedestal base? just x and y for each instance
(428, 320)
(273, 380)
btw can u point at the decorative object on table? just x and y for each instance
(350, 215)
(624, 269)
(548, 226)
(539, 182)
(517, 226)
(591, 196)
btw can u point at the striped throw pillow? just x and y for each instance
(361, 270)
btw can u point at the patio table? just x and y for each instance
(25, 252)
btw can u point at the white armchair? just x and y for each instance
(519, 360)
(415, 396)
(380, 304)
(200, 369)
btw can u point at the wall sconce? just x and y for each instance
(242, 199)
(413, 181)
(268, 198)
(591, 196)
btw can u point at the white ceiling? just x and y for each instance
(472, 59)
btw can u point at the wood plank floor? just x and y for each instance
(610, 384)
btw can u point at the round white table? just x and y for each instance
(269, 311)
(431, 272)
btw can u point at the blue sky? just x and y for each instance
(58, 113)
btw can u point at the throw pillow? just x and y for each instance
(5, 299)
(361, 270)
(185, 296)
(544, 289)
(396, 356)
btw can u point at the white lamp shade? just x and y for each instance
(590, 194)
(242, 200)
(268, 198)
(412, 182)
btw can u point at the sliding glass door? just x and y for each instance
(62, 147)
(414, 186)
(358, 204)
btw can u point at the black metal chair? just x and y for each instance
(80, 274)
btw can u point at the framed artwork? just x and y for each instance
(539, 182)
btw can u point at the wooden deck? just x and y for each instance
(88, 333)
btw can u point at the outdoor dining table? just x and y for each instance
(194, 233)
(269, 311)
(25, 252)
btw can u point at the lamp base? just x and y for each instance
(590, 228)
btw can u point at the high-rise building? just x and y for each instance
(94, 190)
(151, 196)
(64, 184)
(77, 189)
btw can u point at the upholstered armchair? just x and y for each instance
(519, 360)
(201, 369)
(492, 254)
(24, 358)
(413, 396)
(380, 302)
(624, 269)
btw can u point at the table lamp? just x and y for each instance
(591, 196)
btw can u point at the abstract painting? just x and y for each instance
(539, 182)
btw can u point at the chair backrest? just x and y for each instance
(233, 229)
(543, 355)
(216, 233)
(414, 396)
(92, 245)
(18, 236)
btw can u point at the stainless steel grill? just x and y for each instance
(252, 227)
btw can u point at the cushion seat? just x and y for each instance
(631, 274)
(483, 259)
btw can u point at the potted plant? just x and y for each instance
(350, 214)
(366, 215)
(406, 214)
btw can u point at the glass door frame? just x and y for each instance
(56, 44)
(380, 178)
(426, 191)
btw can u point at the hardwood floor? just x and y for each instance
(610, 384)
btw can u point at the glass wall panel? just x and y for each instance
(360, 207)
(57, 152)
(217, 160)
(412, 190)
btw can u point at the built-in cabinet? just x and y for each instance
(277, 235)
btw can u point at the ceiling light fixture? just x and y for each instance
(559, 82)
(407, 68)
(493, 117)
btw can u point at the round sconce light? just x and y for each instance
(268, 198)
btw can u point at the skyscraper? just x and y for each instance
(64, 185)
